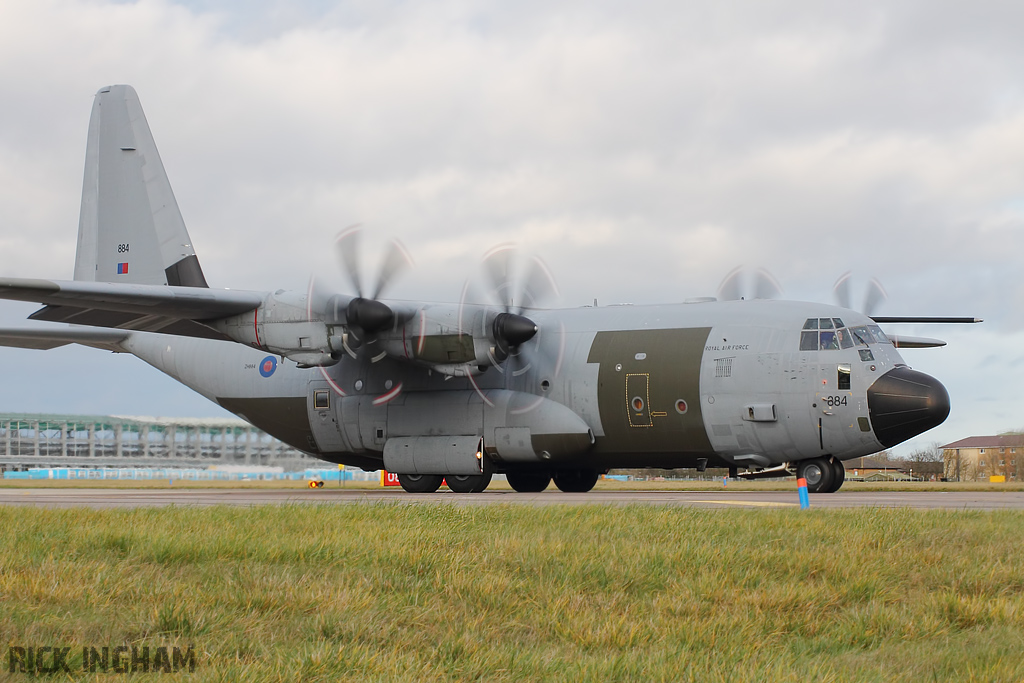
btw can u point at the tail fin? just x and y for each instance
(130, 229)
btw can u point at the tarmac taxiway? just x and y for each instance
(132, 498)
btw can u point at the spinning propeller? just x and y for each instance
(748, 283)
(363, 315)
(874, 294)
(513, 282)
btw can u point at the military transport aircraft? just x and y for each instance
(435, 391)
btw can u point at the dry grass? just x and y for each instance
(393, 592)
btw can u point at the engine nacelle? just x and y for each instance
(447, 339)
(282, 325)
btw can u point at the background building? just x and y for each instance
(977, 458)
(111, 441)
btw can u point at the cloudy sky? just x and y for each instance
(644, 149)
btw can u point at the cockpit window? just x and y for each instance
(877, 333)
(826, 334)
(861, 335)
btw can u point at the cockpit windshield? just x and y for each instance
(826, 334)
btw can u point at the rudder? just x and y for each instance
(130, 229)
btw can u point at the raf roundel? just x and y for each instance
(267, 366)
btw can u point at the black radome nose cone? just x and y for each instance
(903, 403)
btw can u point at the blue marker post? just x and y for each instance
(805, 501)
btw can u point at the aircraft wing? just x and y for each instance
(152, 308)
(44, 337)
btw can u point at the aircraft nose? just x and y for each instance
(903, 403)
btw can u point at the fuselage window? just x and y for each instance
(321, 399)
(809, 340)
(838, 323)
(825, 324)
(811, 324)
(844, 377)
(865, 354)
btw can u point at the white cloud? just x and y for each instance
(674, 140)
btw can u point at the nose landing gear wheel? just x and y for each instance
(838, 475)
(576, 481)
(420, 483)
(819, 474)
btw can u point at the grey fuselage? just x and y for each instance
(682, 385)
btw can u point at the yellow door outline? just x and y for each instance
(638, 399)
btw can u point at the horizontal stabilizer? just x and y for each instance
(46, 337)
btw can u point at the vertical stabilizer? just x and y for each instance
(130, 229)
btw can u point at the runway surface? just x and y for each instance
(131, 498)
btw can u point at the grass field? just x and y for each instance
(417, 593)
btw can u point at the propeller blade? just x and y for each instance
(498, 267)
(396, 261)
(765, 285)
(743, 283)
(346, 247)
(538, 285)
(841, 290)
(731, 288)
(875, 295)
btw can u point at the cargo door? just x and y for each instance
(638, 395)
(836, 408)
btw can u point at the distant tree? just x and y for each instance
(930, 453)
(957, 467)
(951, 465)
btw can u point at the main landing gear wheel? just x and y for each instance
(575, 481)
(420, 483)
(819, 474)
(838, 475)
(528, 482)
(468, 483)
